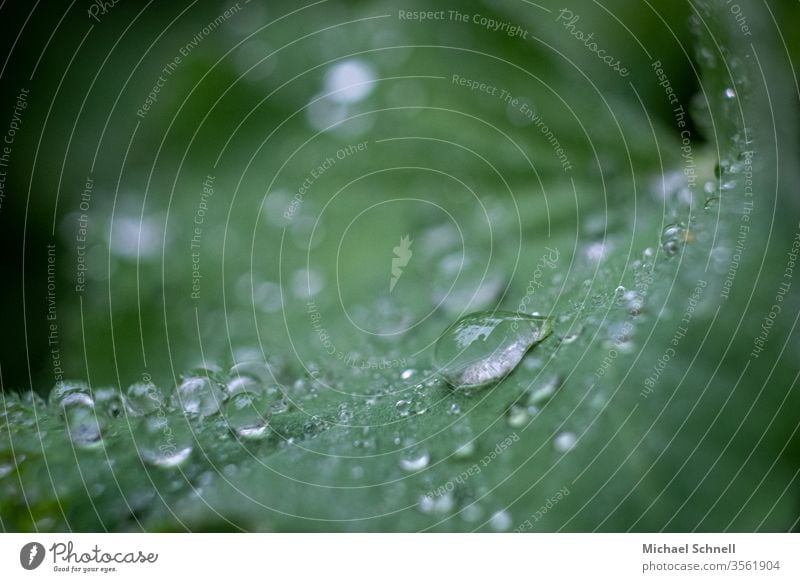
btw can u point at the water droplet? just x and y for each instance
(247, 415)
(730, 93)
(415, 463)
(68, 393)
(144, 398)
(440, 504)
(482, 348)
(465, 450)
(110, 401)
(163, 441)
(407, 374)
(570, 338)
(314, 425)
(258, 370)
(403, 407)
(672, 238)
(198, 396)
(711, 203)
(455, 408)
(518, 416)
(242, 384)
(545, 391)
(620, 290)
(564, 442)
(501, 521)
(84, 425)
(349, 81)
(345, 414)
(472, 512)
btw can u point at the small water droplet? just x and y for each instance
(199, 396)
(472, 512)
(407, 374)
(110, 401)
(711, 203)
(672, 238)
(345, 414)
(455, 408)
(84, 425)
(620, 290)
(564, 442)
(730, 93)
(349, 81)
(439, 505)
(545, 391)
(482, 348)
(68, 393)
(314, 425)
(403, 407)
(465, 450)
(143, 398)
(501, 520)
(415, 463)
(247, 415)
(518, 416)
(163, 441)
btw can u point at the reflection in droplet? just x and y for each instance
(481, 348)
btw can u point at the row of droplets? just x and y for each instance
(246, 398)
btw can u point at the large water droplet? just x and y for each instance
(247, 415)
(163, 441)
(199, 396)
(144, 398)
(482, 348)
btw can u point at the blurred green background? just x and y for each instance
(202, 250)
